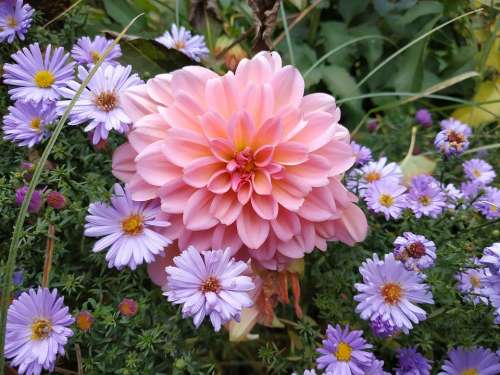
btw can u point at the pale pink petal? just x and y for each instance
(258, 102)
(201, 240)
(222, 149)
(136, 102)
(265, 206)
(147, 130)
(199, 172)
(261, 181)
(319, 205)
(244, 192)
(156, 269)
(256, 70)
(293, 248)
(219, 182)
(154, 168)
(339, 154)
(226, 236)
(265, 252)
(286, 225)
(318, 102)
(241, 130)
(270, 133)
(182, 147)
(159, 89)
(290, 153)
(252, 230)
(288, 86)
(264, 155)
(313, 172)
(319, 130)
(192, 80)
(141, 190)
(123, 164)
(226, 207)
(220, 94)
(174, 196)
(176, 116)
(196, 214)
(355, 223)
(213, 126)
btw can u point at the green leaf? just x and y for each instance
(350, 9)
(416, 165)
(334, 34)
(122, 12)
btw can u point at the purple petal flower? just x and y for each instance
(383, 328)
(391, 291)
(15, 19)
(36, 199)
(475, 361)
(387, 197)
(363, 154)
(376, 368)
(471, 189)
(101, 103)
(453, 196)
(181, 39)
(306, 372)
(415, 251)
(472, 280)
(425, 197)
(26, 122)
(344, 352)
(360, 179)
(412, 362)
(88, 51)
(489, 203)
(18, 278)
(38, 77)
(210, 283)
(453, 139)
(479, 171)
(134, 231)
(491, 258)
(37, 330)
(424, 117)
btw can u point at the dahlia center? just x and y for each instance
(475, 281)
(36, 122)
(41, 329)
(95, 56)
(133, 225)
(392, 293)
(243, 165)
(386, 200)
(343, 352)
(470, 371)
(44, 79)
(455, 138)
(106, 101)
(210, 285)
(372, 176)
(425, 200)
(416, 249)
(11, 22)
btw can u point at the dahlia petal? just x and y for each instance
(293, 248)
(226, 236)
(241, 130)
(318, 102)
(178, 115)
(319, 130)
(222, 149)
(213, 125)
(200, 239)
(314, 170)
(174, 195)
(192, 80)
(199, 172)
(154, 168)
(252, 230)
(290, 153)
(288, 86)
(244, 192)
(183, 147)
(159, 89)
(354, 221)
(265, 206)
(261, 181)
(264, 155)
(226, 207)
(141, 190)
(286, 225)
(339, 154)
(147, 130)
(270, 133)
(319, 205)
(196, 214)
(136, 102)
(218, 98)
(219, 182)
(258, 102)
(123, 165)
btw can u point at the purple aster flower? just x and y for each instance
(471, 189)
(88, 51)
(387, 197)
(374, 171)
(100, 103)
(489, 203)
(363, 154)
(479, 171)
(210, 283)
(344, 352)
(133, 231)
(37, 330)
(391, 291)
(424, 117)
(383, 328)
(493, 283)
(36, 199)
(180, 39)
(415, 251)
(18, 278)
(453, 139)
(15, 19)
(453, 196)
(472, 280)
(475, 361)
(38, 77)
(425, 197)
(491, 258)
(411, 362)
(26, 122)
(306, 372)
(376, 368)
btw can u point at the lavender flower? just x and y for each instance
(387, 197)
(415, 251)
(37, 330)
(306, 372)
(26, 122)
(475, 361)
(376, 368)
(472, 280)
(35, 202)
(425, 197)
(374, 171)
(391, 291)
(88, 51)
(453, 195)
(383, 328)
(363, 154)
(491, 258)
(133, 231)
(471, 189)
(453, 139)
(38, 77)
(479, 171)
(424, 117)
(15, 19)
(180, 39)
(489, 203)
(209, 284)
(411, 362)
(344, 352)
(100, 102)
(18, 278)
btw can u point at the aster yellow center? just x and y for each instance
(372, 176)
(475, 282)
(425, 200)
(133, 225)
(210, 285)
(392, 293)
(470, 371)
(106, 101)
(180, 44)
(386, 200)
(44, 79)
(36, 122)
(11, 22)
(476, 172)
(343, 352)
(95, 56)
(41, 329)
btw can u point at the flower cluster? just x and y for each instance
(491, 276)
(15, 20)
(181, 39)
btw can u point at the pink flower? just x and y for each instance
(243, 160)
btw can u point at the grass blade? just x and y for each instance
(287, 32)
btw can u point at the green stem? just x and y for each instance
(18, 228)
(177, 12)
(287, 33)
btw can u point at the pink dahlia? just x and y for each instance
(243, 160)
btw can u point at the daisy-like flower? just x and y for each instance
(210, 283)
(100, 103)
(415, 251)
(88, 51)
(391, 291)
(453, 139)
(471, 282)
(474, 361)
(37, 330)
(479, 171)
(383, 328)
(424, 117)
(38, 77)
(306, 372)
(344, 352)
(376, 368)
(491, 258)
(26, 122)
(387, 197)
(15, 19)
(489, 203)
(133, 231)
(372, 172)
(453, 195)
(411, 362)
(471, 190)
(181, 39)
(425, 197)
(363, 154)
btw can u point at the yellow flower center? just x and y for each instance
(95, 56)
(386, 200)
(36, 122)
(392, 293)
(470, 371)
(41, 329)
(493, 208)
(476, 172)
(372, 176)
(180, 44)
(11, 22)
(106, 101)
(210, 285)
(475, 281)
(44, 79)
(133, 225)
(343, 352)
(425, 200)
